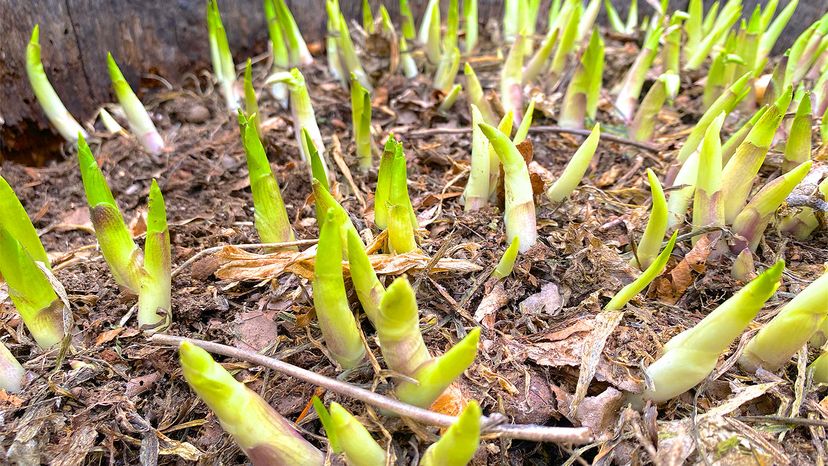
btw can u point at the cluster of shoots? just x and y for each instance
(146, 274)
(140, 123)
(26, 269)
(627, 27)
(393, 210)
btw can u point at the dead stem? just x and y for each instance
(573, 435)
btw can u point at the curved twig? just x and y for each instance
(573, 435)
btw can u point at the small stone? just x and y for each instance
(197, 114)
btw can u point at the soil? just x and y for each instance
(117, 399)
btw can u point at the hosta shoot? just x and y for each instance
(741, 170)
(651, 240)
(298, 52)
(627, 99)
(367, 17)
(270, 215)
(457, 446)
(689, 357)
(408, 30)
(154, 302)
(109, 122)
(470, 23)
(567, 42)
(16, 222)
(31, 292)
(581, 98)
(263, 434)
(671, 50)
(576, 168)
(737, 138)
(11, 371)
(590, 14)
(281, 59)
(335, 65)
(519, 215)
(819, 369)
(349, 56)
(511, 81)
(622, 27)
(665, 88)
(476, 193)
(409, 66)
(223, 67)
(336, 321)
(772, 32)
(477, 97)
(251, 105)
(507, 261)
(523, 129)
(324, 202)
(139, 120)
(117, 247)
(368, 288)
(505, 127)
(693, 27)
(708, 208)
(402, 221)
(650, 273)
(383, 190)
(728, 16)
(447, 70)
(347, 435)
(46, 96)
(538, 61)
(754, 218)
(798, 146)
(449, 99)
(684, 186)
(430, 31)
(317, 165)
(717, 77)
(792, 327)
(452, 27)
(361, 121)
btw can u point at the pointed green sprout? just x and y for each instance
(452, 27)
(222, 59)
(470, 24)
(46, 96)
(270, 215)
(581, 98)
(346, 434)
(154, 302)
(792, 327)
(11, 371)
(671, 50)
(689, 357)
(684, 186)
(361, 120)
(819, 369)
(650, 273)
(741, 170)
(251, 106)
(717, 77)
(281, 59)
(537, 63)
(621, 27)
(819, 93)
(317, 165)
(813, 49)
(409, 66)
(643, 124)
(650, 243)
(752, 221)
(511, 80)
(449, 99)
(505, 127)
(734, 94)
(325, 201)
(335, 65)
(693, 27)
(529, 23)
(400, 227)
(386, 23)
(302, 110)
(109, 122)
(16, 222)
(772, 33)
(798, 147)
(430, 31)
(383, 190)
(139, 120)
(519, 215)
(576, 168)
(447, 69)
(367, 17)
(737, 138)
(460, 442)
(567, 42)
(408, 30)
(507, 261)
(511, 19)
(725, 20)
(476, 96)
(627, 99)
(118, 248)
(435, 375)
(710, 18)
(336, 321)
(708, 206)
(297, 48)
(749, 44)
(349, 56)
(263, 434)
(368, 288)
(31, 292)
(476, 193)
(743, 266)
(523, 130)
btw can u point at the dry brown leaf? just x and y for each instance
(108, 335)
(491, 303)
(671, 286)
(548, 300)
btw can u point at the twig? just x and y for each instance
(575, 435)
(541, 129)
(796, 421)
(214, 249)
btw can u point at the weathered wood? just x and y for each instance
(163, 37)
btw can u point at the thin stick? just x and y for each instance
(574, 435)
(541, 129)
(215, 249)
(797, 421)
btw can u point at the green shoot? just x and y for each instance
(627, 98)
(409, 66)
(352, 63)
(383, 190)
(476, 96)
(335, 65)
(737, 138)
(650, 243)
(507, 261)
(154, 302)
(46, 96)
(511, 79)
(398, 329)
(11, 371)
(367, 17)
(449, 99)
(458, 445)
(708, 206)
(447, 69)
(351, 436)
(505, 127)
(262, 433)
(523, 130)
(567, 42)
(270, 215)
(476, 193)
(536, 64)
(317, 165)
(819, 369)
(251, 105)
(368, 288)
(16, 222)
(650, 273)
(670, 51)
(408, 30)
(452, 27)
(519, 216)
(689, 357)
(470, 22)
(281, 59)
(798, 146)
(643, 124)
(725, 20)
(430, 31)
(297, 49)
(361, 120)
(139, 120)
(584, 88)
(222, 59)
(336, 321)
(576, 168)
